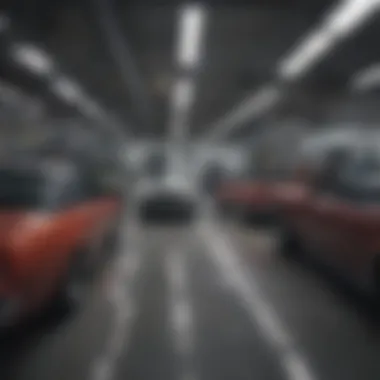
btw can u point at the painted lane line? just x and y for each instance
(235, 275)
(122, 298)
(180, 311)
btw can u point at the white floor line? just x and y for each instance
(261, 313)
(121, 297)
(180, 311)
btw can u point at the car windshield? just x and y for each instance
(365, 170)
(30, 188)
(360, 178)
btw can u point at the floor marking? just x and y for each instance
(121, 296)
(222, 253)
(180, 311)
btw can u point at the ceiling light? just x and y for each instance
(181, 102)
(264, 98)
(67, 90)
(349, 15)
(191, 25)
(183, 94)
(338, 24)
(367, 78)
(312, 49)
(91, 109)
(253, 106)
(256, 104)
(32, 58)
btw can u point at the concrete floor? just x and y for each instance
(212, 301)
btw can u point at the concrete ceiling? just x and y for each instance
(244, 42)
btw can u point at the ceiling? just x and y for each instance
(244, 41)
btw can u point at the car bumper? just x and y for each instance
(168, 209)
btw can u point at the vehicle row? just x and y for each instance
(328, 208)
(59, 224)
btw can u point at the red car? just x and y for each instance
(334, 215)
(56, 221)
(252, 200)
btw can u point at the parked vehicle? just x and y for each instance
(249, 200)
(59, 221)
(251, 197)
(170, 198)
(333, 214)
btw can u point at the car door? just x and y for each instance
(327, 220)
(326, 213)
(340, 212)
(359, 198)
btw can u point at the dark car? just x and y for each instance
(58, 221)
(333, 214)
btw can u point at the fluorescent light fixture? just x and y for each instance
(191, 25)
(32, 58)
(251, 107)
(255, 105)
(181, 103)
(177, 124)
(343, 20)
(183, 94)
(264, 98)
(91, 109)
(71, 93)
(366, 79)
(311, 50)
(349, 15)
(67, 90)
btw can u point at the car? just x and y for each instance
(252, 196)
(169, 198)
(164, 192)
(250, 200)
(59, 221)
(332, 213)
